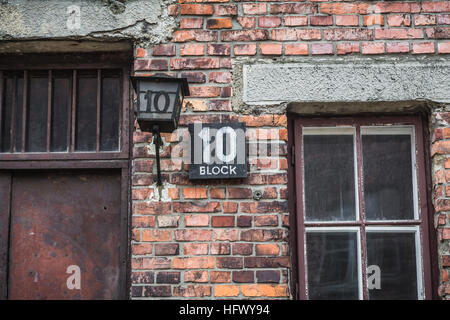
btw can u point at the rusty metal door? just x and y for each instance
(62, 223)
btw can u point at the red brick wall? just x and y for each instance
(211, 239)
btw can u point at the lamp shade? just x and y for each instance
(159, 101)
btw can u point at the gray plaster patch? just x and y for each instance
(347, 81)
(140, 20)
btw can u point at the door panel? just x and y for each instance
(5, 195)
(61, 220)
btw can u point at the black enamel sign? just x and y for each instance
(218, 151)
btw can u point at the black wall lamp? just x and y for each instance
(159, 102)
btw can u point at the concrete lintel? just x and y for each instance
(344, 81)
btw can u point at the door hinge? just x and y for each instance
(293, 155)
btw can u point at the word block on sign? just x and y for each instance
(218, 151)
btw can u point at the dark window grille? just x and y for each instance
(61, 111)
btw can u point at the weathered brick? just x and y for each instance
(220, 276)
(220, 77)
(163, 50)
(296, 49)
(167, 221)
(423, 47)
(268, 276)
(194, 263)
(222, 221)
(195, 35)
(424, 20)
(254, 8)
(264, 290)
(244, 221)
(168, 277)
(197, 206)
(195, 193)
(295, 34)
(196, 9)
(140, 52)
(266, 262)
(156, 235)
(243, 276)
(226, 290)
(347, 20)
(142, 248)
(267, 249)
(247, 22)
(262, 235)
(269, 22)
(373, 47)
(194, 77)
(192, 235)
(436, 6)
(154, 263)
(220, 248)
(194, 63)
(321, 20)
(226, 10)
(263, 207)
(244, 49)
(373, 19)
(196, 276)
(404, 33)
(191, 23)
(244, 35)
(292, 21)
(443, 19)
(157, 291)
(301, 8)
(444, 47)
(438, 33)
(273, 49)
(344, 8)
(266, 221)
(226, 235)
(205, 92)
(147, 277)
(322, 48)
(338, 34)
(196, 49)
(399, 20)
(195, 249)
(151, 65)
(144, 221)
(219, 23)
(240, 193)
(152, 208)
(192, 291)
(229, 262)
(397, 47)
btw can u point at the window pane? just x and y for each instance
(36, 137)
(388, 189)
(110, 112)
(86, 118)
(395, 255)
(332, 265)
(13, 93)
(329, 177)
(60, 112)
(6, 114)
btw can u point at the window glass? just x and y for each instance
(332, 265)
(329, 177)
(388, 183)
(394, 254)
(37, 108)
